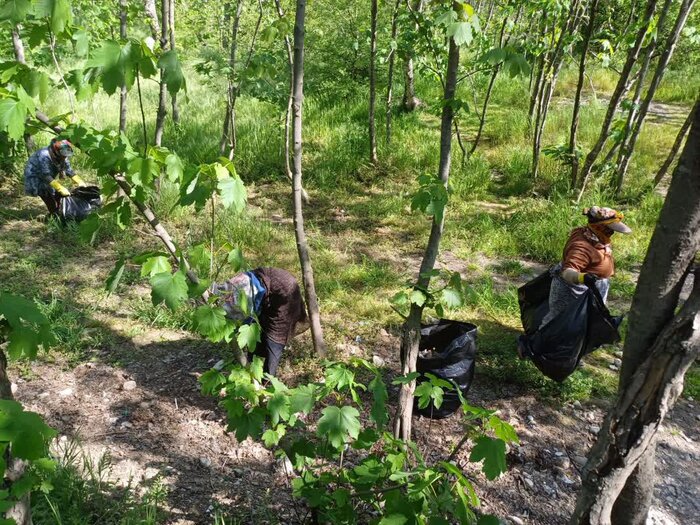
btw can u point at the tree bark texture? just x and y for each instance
(162, 97)
(302, 245)
(664, 59)
(373, 82)
(410, 102)
(411, 328)
(122, 92)
(149, 7)
(682, 133)
(659, 347)
(171, 27)
(390, 72)
(228, 135)
(588, 33)
(620, 92)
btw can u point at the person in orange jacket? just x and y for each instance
(44, 170)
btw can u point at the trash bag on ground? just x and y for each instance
(447, 350)
(80, 203)
(557, 347)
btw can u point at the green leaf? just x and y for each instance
(248, 424)
(488, 519)
(15, 309)
(425, 392)
(88, 228)
(82, 42)
(142, 171)
(58, 11)
(115, 276)
(12, 115)
(123, 214)
(493, 453)
(15, 10)
(404, 380)
(338, 425)
(461, 32)
(211, 322)
(503, 430)
(418, 297)
(172, 71)
(339, 376)
(155, 265)
(170, 289)
(279, 407)
(272, 438)
(235, 259)
(174, 168)
(394, 519)
(379, 396)
(23, 343)
(233, 193)
(303, 399)
(200, 259)
(248, 336)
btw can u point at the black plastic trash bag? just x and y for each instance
(452, 359)
(558, 347)
(80, 203)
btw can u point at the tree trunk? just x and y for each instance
(410, 102)
(162, 112)
(579, 88)
(621, 90)
(122, 93)
(659, 348)
(664, 59)
(228, 134)
(302, 246)
(149, 7)
(372, 82)
(171, 27)
(411, 328)
(18, 47)
(676, 146)
(390, 73)
(225, 25)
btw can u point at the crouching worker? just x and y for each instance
(44, 170)
(587, 263)
(274, 296)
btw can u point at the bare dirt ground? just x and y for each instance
(149, 416)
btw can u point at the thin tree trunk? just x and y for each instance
(664, 59)
(390, 73)
(226, 24)
(18, 47)
(149, 7)
(228, 117)
(122, 93)
(302, 246)
(659, 348)
(373, 82)
(411, 327)
(621, 90)
(579, 88)
(171, 34)
(676, 146)
(288, 112)
(410, 102)
(162, 112)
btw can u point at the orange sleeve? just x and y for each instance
(577, 256)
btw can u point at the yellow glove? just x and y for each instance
(78, 181)
(59, 188)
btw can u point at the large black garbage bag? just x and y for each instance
(81, 203)
(452, 359)
(557, 347)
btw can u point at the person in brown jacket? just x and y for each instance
(274, 296)
(587, 262)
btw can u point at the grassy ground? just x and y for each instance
(502, 226)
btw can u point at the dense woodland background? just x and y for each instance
(445, 152)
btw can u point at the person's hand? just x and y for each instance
(589, 280)
(78, 181)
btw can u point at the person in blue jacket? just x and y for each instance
(44, 170)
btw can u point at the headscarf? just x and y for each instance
(240, 296)
(602, 220)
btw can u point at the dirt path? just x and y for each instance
(149, 416)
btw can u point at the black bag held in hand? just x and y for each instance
(82, 201)
(454, 351)
(557, 348)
